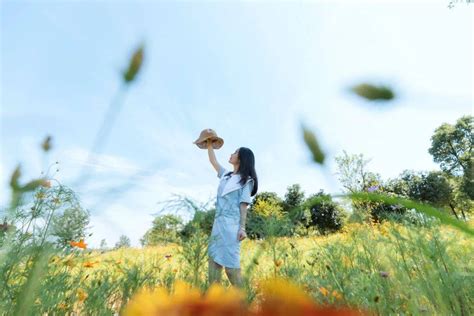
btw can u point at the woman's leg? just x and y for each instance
(215, 272)
(234, 276)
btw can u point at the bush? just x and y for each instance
(326, 215)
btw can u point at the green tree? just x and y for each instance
(294, 197)
(451, 146)
(165, 229)
(353, 173)
(123, 242)
(70, 225)
(202, 222)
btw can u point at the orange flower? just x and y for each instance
(90, 264)
(62, 306)
(336, 295)
(278, 262)
(323, 291)
(79, 244)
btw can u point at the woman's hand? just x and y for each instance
(241, 235)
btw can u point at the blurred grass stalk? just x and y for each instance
(128, 76)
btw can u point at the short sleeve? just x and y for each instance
(246, 193)
(221, 171)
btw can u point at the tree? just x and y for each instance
(165, 229)
(103, 244)
(123, 242)
(266, 217)
(353, 174)
(451, 146)
(429, 187)
(70, 225)
(294, 197)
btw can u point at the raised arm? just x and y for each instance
(212, 156)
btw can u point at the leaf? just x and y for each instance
(372, 92)
(313, 145)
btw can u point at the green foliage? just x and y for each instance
(429, 187)
(70, 225)
(326, 215)
(165, 229)
(353, 173)
(202, 221)
(294, 197)
(123, 242)
(451, 146)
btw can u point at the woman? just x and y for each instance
(233, 197)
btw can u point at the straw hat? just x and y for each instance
(206, 134)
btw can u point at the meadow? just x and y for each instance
(370, 268)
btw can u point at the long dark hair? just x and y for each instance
(247, 168)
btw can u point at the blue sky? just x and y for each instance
(250, 70)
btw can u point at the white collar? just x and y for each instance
(232, 184)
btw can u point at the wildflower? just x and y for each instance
(40, 195)
(346, 261)
(373, 188)
(175, 270)
(278, 262)
(281, 298)
(323, 291)
(81, 295)
(90, 264)
(69, 262)
(336, 295)
(384, 274)
(186, 300)
(79, 244)
(62, 306)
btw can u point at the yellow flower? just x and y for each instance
(81, 295)
(69, 262)
(186, 300)
(281, 297)
(346, 261)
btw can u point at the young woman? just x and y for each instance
(233, 197)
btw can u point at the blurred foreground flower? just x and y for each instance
(78, 244)
(187, 300)
(276, 297)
